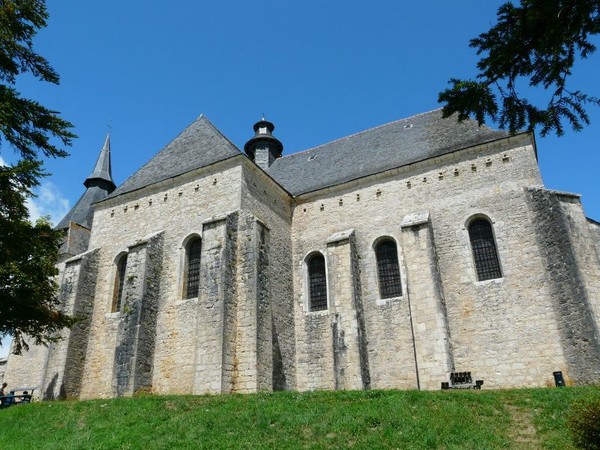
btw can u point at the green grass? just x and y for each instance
(528, 419)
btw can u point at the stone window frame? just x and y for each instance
(116, 298)
(306, 277)
(477, 217)
(183, 266)
(380, 240)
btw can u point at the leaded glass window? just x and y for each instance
(119, 283)
(192, 270)
(485, 253)
(388, 269)
(317, 280)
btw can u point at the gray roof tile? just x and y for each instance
(83, 212)
(102, 169)
(372, 151)
(199, 145)
(98, 185)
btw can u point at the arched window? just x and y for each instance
(317, 283)
(485, 254)
(192, 268)
(119, 282)
(388, 269)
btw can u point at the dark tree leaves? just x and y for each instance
(28, 253)
(537, 43)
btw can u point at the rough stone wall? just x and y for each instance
(222, 341)
(595, 235)
(253, 358)
(250, 328)
(263, 157)
(497, 329)
(65, 359)
(136, 330)
(350, 358)
(179, 207)
(76, 241)
(573, 275)
(216, 288)
(2, 369)
(426, 303)
(272, 207)
(27, 369)
(234, 334)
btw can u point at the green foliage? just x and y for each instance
(25, 124)
(538, 43)
(520, 419)
(28, 252)
(584, 423)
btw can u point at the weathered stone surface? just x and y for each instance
(250, 328)
(573, 277)
(65, 359)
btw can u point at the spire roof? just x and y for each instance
(102, 169)
(99, 184)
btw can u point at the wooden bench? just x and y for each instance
(18, 396)
(462, 380)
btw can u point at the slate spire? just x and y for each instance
(263, 148)
(99, 185)
(102, 174)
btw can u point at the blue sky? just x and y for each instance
(319, 70)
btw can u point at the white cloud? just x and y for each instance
(49, 202)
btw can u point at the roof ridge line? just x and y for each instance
(361, 132)
(214, 127)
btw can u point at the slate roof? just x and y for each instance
(83, 212)
(102, 169)
(395, 144)
(378, 149)
(99, 184)
(199, 145)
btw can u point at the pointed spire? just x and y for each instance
(102, 173)
(99, 185)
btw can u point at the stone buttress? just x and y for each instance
(136, 331)
(234, 325)
(429, 322)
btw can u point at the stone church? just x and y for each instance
(390, 258)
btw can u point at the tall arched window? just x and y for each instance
(388, 269)
(192, 268)
(485, 254)
(317, 283)
(119, 282)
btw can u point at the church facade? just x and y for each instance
(387, 259)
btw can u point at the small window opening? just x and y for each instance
(484, 249)
(192, 268)
(119, 283)
(388, 269)
(317, 280)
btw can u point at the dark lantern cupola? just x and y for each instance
(263, 148)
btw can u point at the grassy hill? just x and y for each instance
(519, 419)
